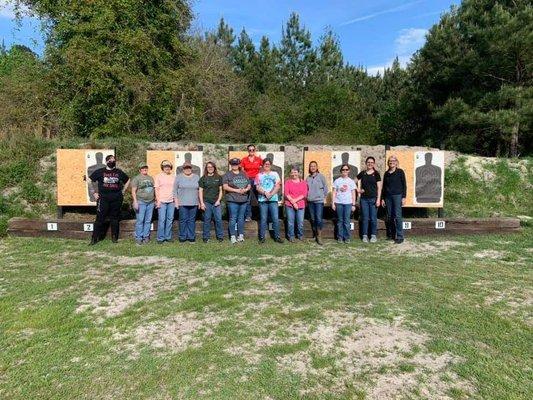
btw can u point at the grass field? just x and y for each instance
(433, 318)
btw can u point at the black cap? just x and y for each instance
(234, 161)
(109, 156)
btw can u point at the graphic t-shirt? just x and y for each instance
(251, 168)
(237, 181)
(267, 182)
(110, 181)
(211, 187)
(143, 185)
(369, 183)
(343, 190)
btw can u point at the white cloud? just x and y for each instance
(407, 43)
(378, 13)
(7, 9)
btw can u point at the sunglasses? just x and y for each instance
(345, 169)
(251, 150)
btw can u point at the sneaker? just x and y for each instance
(240, 238)
(138, 242)
(346, 241)
(291, 240)
(205, 240)
(339, 241)
(365, 239)
(220, 239)
(261, 240)
(278, 240)
(373, 239)
(233, 240)
(146, 240)
(398, 241)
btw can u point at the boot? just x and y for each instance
(319, 237)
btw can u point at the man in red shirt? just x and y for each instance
(251, 165)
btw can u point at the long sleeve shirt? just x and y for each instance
(394, 183)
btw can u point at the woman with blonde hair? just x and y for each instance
(394, 193)
(164, 202)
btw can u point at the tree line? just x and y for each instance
(133, 68)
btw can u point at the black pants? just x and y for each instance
(107, 208)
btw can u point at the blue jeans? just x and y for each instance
(292, 217)
(316, 211)
(267, 208)
(394, 216)
(165, 215)
(236, 218)
(369, 215)
(251, 195)
(212, 212)
(187, 217)
(143, 219)
(343, 221)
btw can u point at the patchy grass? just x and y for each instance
(446, 319)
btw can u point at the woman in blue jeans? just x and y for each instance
(369, 188)
(268, 184)
(394, 193)
(143, 196)
(210, 195)
(295, 191)
(343, 202)
(186, 200)
(237, 188)
(316, 195)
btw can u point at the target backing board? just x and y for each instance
(177, 158)
(74, 166)
(424, 174)
(352, 158)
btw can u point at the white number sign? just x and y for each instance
(51, 226)
(440, 224)
(406, 224)
(88, 227)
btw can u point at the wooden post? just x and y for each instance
(200, 147)
(440, 212)
(60, 212)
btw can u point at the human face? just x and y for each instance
(210, 169)
(266, 166)
(144, 171)
(187, 170)
(234, 167)
(313, 168)
(345, 171)
(167, 169)
(393, 163)
(251, 151)
(370, 164)
(295, 174)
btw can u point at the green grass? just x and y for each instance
(277, 321)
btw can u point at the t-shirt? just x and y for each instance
(295, 189)
(164, 185)
(211, 187)
(144, 187)
(110, 181)
(236, 181)
(343, 190)
(251, 168)
(369, 183)
(267, 182)
(186, 189)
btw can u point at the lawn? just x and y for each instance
(432, 318)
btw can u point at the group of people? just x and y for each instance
(248, 180)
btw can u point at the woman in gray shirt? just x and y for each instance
(186, 200)
(318, 190)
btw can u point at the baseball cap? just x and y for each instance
(234, 161)
(186, 164)
(143, 165)
(166, 163)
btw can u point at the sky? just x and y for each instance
(371, 32)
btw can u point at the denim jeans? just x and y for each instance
(165, 215)
(267, 208)
(212, 212)
(187, 217)
(143, 219)
(251, 195)
(394, 216)
(316, 211)
(343, 220)
(369, 215)
(236, 213)
(292, 217)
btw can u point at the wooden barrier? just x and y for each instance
(61, 228)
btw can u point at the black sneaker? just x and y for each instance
(114, 239)
(398, 241)
(261, 240)
(205, 240)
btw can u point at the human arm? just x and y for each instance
(379, 184)
(220, 194)
(404, 187)
(175, 191)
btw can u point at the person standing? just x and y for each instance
(268, 184)
(317, 192)
(393, 198)
(343, 202)
(142, 193)
(369, 188)
(210, 195)
(237, 188)
(164, 202)
(186, 201)
(251, 165)
(295, 190)
(109, 185)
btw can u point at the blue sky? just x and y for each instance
(371, 32)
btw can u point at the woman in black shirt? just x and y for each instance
(394, 192)
(369, 189)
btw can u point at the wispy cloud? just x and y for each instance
(7, 9)
(378, 13)
(406, 43)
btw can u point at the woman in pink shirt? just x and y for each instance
(295, 190)
(164, 202)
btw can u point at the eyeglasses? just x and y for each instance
(210, 167)
(370, 162)
(345, 169)
(251, 150)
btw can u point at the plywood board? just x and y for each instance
(73, 169)
(177, 158)
(430, 177)
(324, 161)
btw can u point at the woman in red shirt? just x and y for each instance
(251, 165)
(295, 190)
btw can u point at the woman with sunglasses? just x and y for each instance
(369, 188)
(268, 184)
(394, 193)
(251, 165)
(186, 200)
(237, 187)
(210, 194)
(343, 202)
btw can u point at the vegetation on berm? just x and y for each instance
(133, 68)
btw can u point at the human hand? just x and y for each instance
(96, 196)
(382, 203)
(377, 203)
(333, 207)
(135, 206)
(217, 203)
(403, 202)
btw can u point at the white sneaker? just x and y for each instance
(373, 239)
(240, 238)
(233, 240)
(365, 239)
